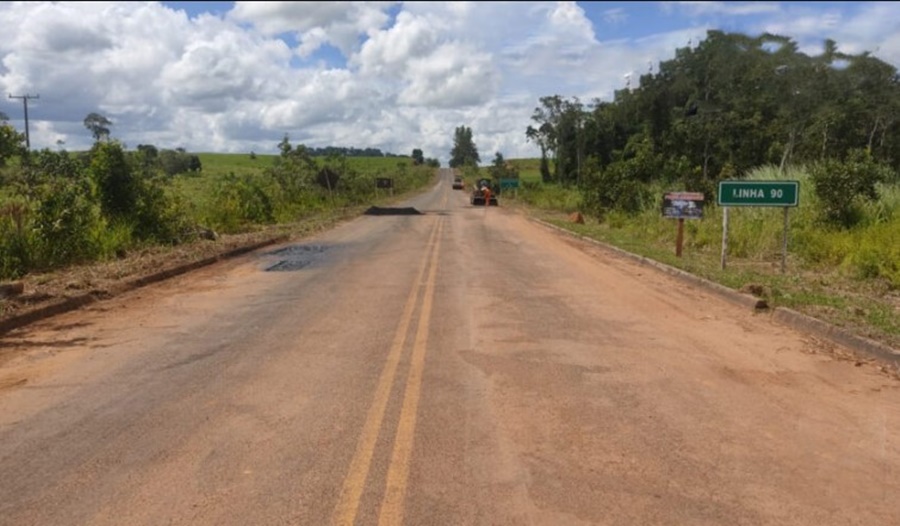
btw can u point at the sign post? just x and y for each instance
(681, 206)
(784, 194)
(724, 234)
(510, 182)
(385, 182)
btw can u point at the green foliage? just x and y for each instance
(550, 196)
(239, 200)
(418, 157)
(561, 134)
(620, 186)
(129, 196)
(67, 224)
(59, 208)
(842, 185)
(726, 106)
(294, 171)
(114, 178)
(16, 239)
(157, 217)
(98, 125)
(12, 143)
(545, 170)
(464, 152)
(500, 169)
(174, 162)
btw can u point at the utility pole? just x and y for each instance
(25, 99)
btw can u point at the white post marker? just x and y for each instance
(784, 244)
(724, 234)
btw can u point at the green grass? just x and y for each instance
(223, 163)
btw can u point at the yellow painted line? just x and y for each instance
(398, 472)
(348, 503)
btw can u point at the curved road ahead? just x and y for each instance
(464, 366)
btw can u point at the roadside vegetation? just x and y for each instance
(60, 208)
(742, 108)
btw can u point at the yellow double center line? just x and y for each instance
(398, 472)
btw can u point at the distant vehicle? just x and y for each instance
(458, 183)
(484, 194)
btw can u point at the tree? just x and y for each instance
(464, 152)
(98, 126)
(149, 150)
(11, 142)
(114, 179)
(294, 170)
(418, 157)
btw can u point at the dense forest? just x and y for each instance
(719, 109)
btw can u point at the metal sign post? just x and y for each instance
(385, 182)
(510, 182)
(724, 234)
(783, 194)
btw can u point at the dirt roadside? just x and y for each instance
(47, 294)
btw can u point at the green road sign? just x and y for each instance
(509, 183)
(759, 193)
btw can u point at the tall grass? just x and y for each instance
(870, 250)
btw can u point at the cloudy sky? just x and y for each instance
(238, 76)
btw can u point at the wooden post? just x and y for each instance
(680, 239)
(724, 234)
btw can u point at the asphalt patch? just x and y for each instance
(379, 211)
(295, 257)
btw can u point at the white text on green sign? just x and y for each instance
(759, 193)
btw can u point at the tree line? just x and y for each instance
(719, 109)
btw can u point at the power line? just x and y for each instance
(25, 99)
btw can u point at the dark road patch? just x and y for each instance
(379, 211)
(296, 257)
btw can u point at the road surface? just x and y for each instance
(463, 366)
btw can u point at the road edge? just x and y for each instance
(859, 345)
(76, 302)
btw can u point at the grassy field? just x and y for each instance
(217, 164)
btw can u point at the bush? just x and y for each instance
(238, 201)
(617, 187)
(68, 224)
(15, 240)
(115, 180)
(841, 186)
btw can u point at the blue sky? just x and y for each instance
(238, 76)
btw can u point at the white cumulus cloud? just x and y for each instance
(388, 75)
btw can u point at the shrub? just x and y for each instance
(15, 239)
(842, 185)
(68, 224)
(616, 187)
(239, 200)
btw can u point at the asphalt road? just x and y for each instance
(463, 366)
